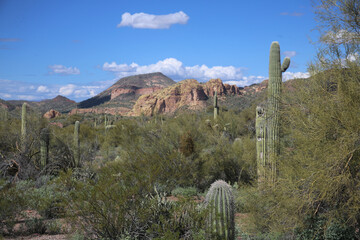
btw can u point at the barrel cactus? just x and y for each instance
(220, 223)
(44, 146)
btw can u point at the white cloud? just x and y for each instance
(289, 54)
(175, 69)
(17, 90)
(292, 75)
(67, 90)
(144, 20)
(5, 95)
(246, 81)
(62, 70)
(42, 89)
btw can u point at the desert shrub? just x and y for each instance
(34, 226)
(185, 192)
(53, 227)
(121, 204)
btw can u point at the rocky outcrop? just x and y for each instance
(187, 93)
(51, 114)
(255, 88)
(107, 110)
(132, 90)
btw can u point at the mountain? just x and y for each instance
(59, 103)
(187, 94)
(123, 94)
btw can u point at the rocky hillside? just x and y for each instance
(123, 94)
(189, 94)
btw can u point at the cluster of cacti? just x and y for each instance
(220, 223)
(216, 108)
(44, 146)
(267, 125)
(23, 126)
(76, 144)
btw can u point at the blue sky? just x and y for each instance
(79, 48)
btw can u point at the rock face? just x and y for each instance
(188, 94)
(51, 114)
(107, 110)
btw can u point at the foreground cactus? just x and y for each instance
(44, 146)
(77, 144)
(220, 222)
(23, 126)
(216, 108)
(272, 113)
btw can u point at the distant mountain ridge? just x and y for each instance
(59, 103)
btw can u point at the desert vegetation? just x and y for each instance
(288, 161)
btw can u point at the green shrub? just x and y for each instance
(185, 192)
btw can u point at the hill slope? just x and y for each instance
(127, 90)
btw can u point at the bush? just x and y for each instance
(123, 205)
(185, 192)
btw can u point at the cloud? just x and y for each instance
(62, 70)
(293, 14)
(289, 54)
(246, 81)
(18, 90)
(10, 39)
(42, 89)
(150, 21)
(176, 69)
(293, 75)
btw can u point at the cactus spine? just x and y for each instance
(23, 126)
(216, 108)
(77, 144)
(44, 146)
(274, 94)
(260, 125)
(221, 217)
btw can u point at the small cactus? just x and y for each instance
(44, 146)
(77, 144)
(216, 108)
(220, 223)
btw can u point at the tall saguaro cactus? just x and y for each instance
(23, 126)
(77, 144)
(220, 223)
(216, 108)
(274, 94)
(44, 146)
(260, 125)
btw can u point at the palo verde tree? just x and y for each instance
(317, 190)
